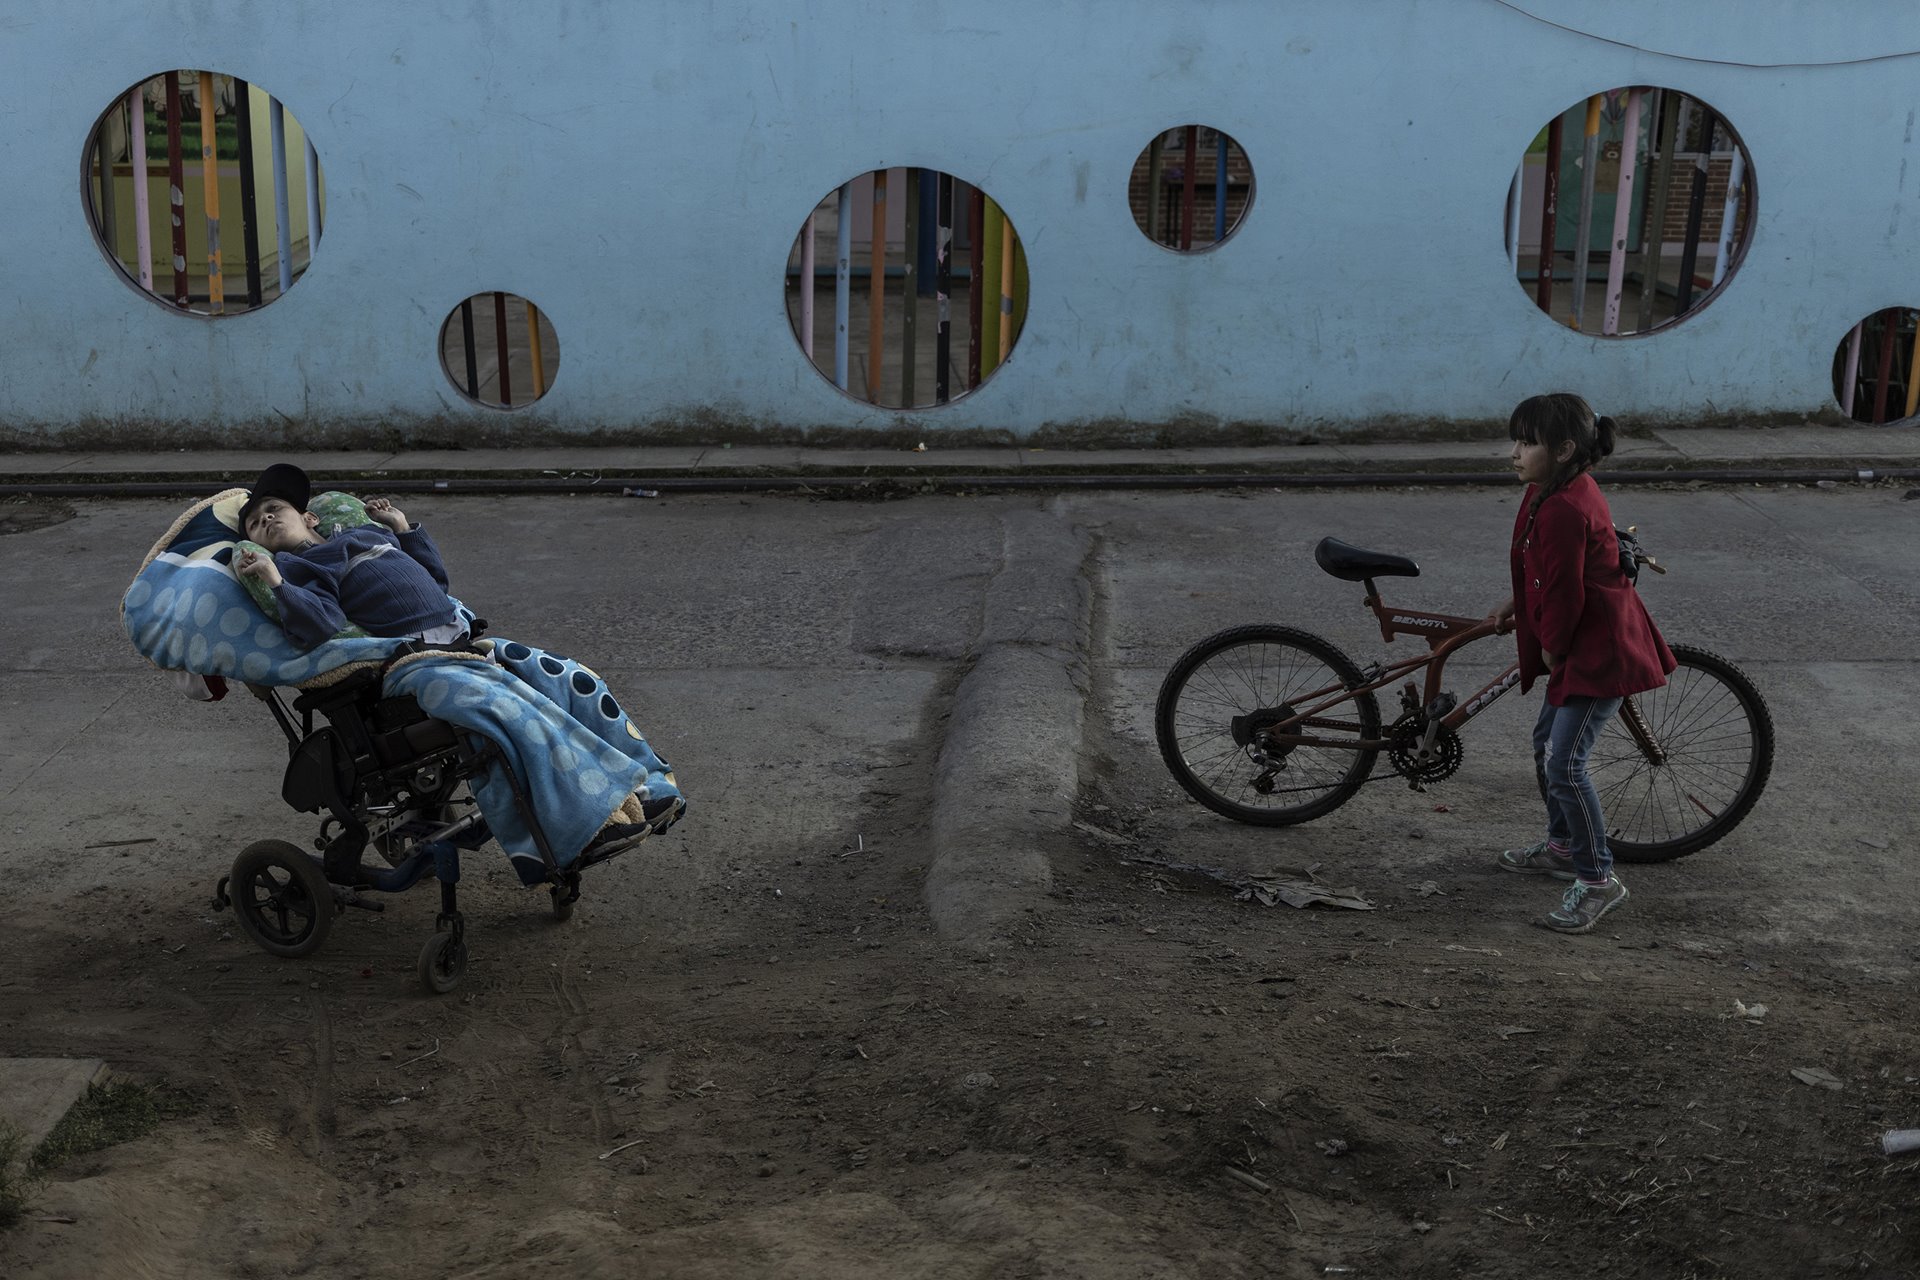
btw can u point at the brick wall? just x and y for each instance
(1173, 162)
(1673, 227)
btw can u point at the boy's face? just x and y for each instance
(275, 525)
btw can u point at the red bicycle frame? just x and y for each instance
(1445, 634)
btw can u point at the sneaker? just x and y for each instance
(616, 837)
(1538, 859)
(1584, 904)
(662, 812)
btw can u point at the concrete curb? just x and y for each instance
(1009, 764)
(876, 483)
(1805, 456)
(37, 1093)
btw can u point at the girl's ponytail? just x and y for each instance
(1604, 431)
(1560, 418)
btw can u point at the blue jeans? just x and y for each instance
(1562, 740)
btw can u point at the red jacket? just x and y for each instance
(1570, 597)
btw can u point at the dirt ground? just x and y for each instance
(777, 1069)
(1422, 1092)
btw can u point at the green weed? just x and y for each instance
(19, 1182)
(109, 1114)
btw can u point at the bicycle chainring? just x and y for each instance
(1406, 733)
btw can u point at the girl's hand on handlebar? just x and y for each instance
(1502, 617)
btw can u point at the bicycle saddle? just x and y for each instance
(1355, 565)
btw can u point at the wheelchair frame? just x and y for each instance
(382, 772)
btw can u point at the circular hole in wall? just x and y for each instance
(881, 287)
(1176, 189)
(1643, 199)
(500, 350)
(1873, 367)
(211, 227)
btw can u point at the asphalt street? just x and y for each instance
(806, 664)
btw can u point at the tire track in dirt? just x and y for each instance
(248, 1113)
(575, 1024)
(317, 1109)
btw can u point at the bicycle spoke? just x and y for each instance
(1682, 719)
(1614, 792)
(1683, 815)
(1708, 739)
(1228, 752)
(1627, 823)
(1689, 800)
(1245, 683)
(1222, 694)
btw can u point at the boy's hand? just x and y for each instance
(1502, 617)
(383, 510)
(251, 564)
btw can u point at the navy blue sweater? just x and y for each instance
(386, 584)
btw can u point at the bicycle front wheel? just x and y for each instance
(1715, 744)
(1221, 695)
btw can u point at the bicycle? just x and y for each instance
(1272, 725)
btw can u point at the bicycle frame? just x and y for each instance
(1245, 733)
(1445, 634)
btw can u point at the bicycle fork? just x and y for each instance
(1641, 732)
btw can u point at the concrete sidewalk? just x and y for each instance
(1692, 450)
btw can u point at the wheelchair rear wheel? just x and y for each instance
(281, 898)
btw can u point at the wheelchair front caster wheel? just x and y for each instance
(442, 961)
(281, 898)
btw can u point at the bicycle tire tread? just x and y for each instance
(1174, 684)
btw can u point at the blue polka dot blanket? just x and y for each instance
(577, 754)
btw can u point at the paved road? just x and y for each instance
(1813, 592)
(801, 664)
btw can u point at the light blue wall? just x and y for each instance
(640, 167)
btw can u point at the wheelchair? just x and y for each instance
(380, 773)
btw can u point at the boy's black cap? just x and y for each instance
(282, 480)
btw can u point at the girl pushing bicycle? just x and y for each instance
(1271, 725)
(1579, 622)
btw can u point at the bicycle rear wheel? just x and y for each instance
(1716, 739)
(1228, 687)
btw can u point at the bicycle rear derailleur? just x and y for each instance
(1249, 734)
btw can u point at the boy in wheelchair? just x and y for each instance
(435, 739)
(386, 579)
